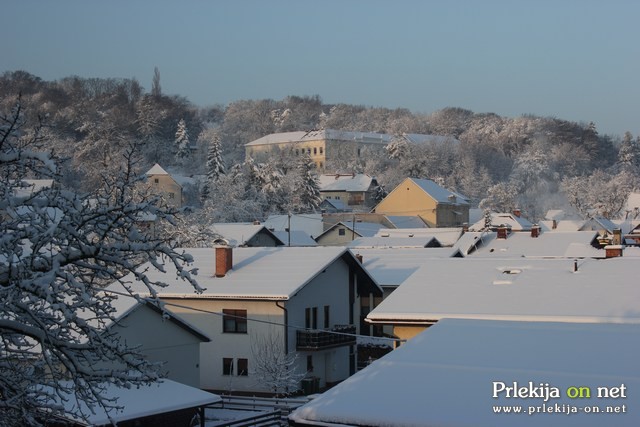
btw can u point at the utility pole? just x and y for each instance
(289, 229)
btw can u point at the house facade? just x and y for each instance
(161, 183)
(355, 191)
(435, 205)
(160, 337)
(304, 302)
(322, 146)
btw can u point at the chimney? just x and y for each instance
(617, 237)
(359, 258)
(554, 224)
(517, 212)
(502, 231)
(224, 260)
(575, 265)
(535, 230)
(465, 227)
(613, 251)
(256, 222)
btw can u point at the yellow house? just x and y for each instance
(162, 183)
(435, 205)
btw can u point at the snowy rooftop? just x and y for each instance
(403, 221)
(445, 375)
(392, 266)
(349, 183)
(446, 236)
(576, 244)
(137, 402)
(505, 218)
(28, 187)
(332, 134)
(157, 170)
(238, 234)
(517, 289)
(311, 224)
(261, 273)
(295, 238)
(441, 195)
(363, 229)
(394, 242)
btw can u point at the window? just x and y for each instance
(341, 232)
(227, 366)
(243, 367)
(171, 195)
(156, 180)
(234, 321)
(311, 317)
(326, 317)
(320, 150)
(308, 150)
(315, 150)
(297, 153)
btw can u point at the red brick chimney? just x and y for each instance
(612, 251)
(224, 260)
(535, 230)
(502, 231)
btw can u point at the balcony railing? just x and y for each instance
(322, 339)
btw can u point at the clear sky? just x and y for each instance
(574, 59)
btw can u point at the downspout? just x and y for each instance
(286, 327)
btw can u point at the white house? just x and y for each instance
(307, 300)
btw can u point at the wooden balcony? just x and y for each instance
(314, 340)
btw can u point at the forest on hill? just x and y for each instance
(530, 162)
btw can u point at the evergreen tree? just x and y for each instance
(307, 188)
(182, 140)
(215, 166)
(629, 154)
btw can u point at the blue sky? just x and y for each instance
(574, 59)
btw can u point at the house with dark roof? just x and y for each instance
(435, 205)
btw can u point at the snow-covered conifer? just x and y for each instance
(307, 187)
(182, 140)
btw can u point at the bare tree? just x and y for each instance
(156, 90)
(56, 252)
(272, 366)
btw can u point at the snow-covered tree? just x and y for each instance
(57, 250)
(182, 140)
(215, 165)
(501, 197)
(307, 186)
(629, 154)
(272, 367)
(398, 148)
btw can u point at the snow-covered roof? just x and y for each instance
(418, 138)
(268, 273)
(392, 266)
(160, 397)
(295, 238)
(516, 223)
(314, 135)
(439, 194)
(394, 242)
(238, 233)
(401, 221)
(311, 224)
(125, 304)
(446, 236)
(445, 377)
(567, 244)
(336, 204)
(362, 229)
(28, 187)
(349, 183)
(516, 289)
(157, 170)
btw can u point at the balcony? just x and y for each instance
(320, 339)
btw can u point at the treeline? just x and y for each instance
(534, 163)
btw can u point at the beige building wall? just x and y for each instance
(406, 332)
(409, 199)
(316, 149)
(167, 188)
